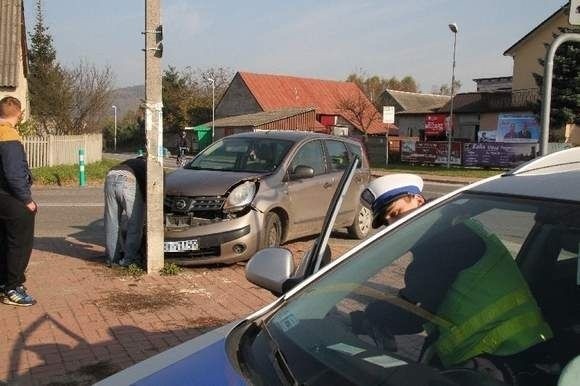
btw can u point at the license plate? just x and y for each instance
(181, 246)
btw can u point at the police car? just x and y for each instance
(320, 331)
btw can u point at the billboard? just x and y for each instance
(430, 152)
(501, 155)
(517, 128)
(435, 124)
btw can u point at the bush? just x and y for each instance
(170, 269)
(69, 174)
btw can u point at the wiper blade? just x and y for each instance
(282, 364)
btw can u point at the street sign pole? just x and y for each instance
(547, 88)
(389, 119)
(154, 135)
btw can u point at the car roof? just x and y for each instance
(556, 176)
(289, 135)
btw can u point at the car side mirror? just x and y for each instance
(270, 268)
(301, 172)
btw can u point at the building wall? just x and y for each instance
(466, 126)
(526, 56)
(305, 122)
(237, 100)
(21, 91)
(410, 125)
(488, 121)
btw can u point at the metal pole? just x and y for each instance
(115, 137)
(82, 175)
(154, 138)
(450, 135)
(547, 87)
(213, 110)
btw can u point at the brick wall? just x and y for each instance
(237, 100)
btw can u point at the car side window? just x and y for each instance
(337, 155)
(310, 155)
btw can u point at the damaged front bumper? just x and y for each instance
(214, 239)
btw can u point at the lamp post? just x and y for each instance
(453, 27)
(115, 136)
(212, 81)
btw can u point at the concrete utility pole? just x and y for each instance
(154, 134)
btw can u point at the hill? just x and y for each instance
(128, 99)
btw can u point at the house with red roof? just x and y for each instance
(327, 106)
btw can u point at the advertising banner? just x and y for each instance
(486, 136)
(435, 124)
(498, 154)
(517, 128)
(430, 152)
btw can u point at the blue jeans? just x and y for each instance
(122, 195)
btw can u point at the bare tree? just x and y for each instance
(360, 111)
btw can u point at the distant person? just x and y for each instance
(17, 209)
(182, 145)
(125, 192)
(512, 132)
(525, 132)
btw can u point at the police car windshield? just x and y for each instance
(242, 155)
(365, 321)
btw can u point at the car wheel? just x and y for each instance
(361, 226)
(272, 235)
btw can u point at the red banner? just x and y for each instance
(435, 124)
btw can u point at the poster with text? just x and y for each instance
(517, 128)
(430, 152)
(500, 155)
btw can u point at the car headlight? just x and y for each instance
(240, 197)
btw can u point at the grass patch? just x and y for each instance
(454, 171)
(170, 269)
(133, 270)
(63, 175)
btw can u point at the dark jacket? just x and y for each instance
(15, 176)
(138, 167)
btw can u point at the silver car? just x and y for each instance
(255, 190)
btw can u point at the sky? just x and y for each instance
(311, 38)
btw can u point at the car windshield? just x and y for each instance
(381, 314)
(242, 155)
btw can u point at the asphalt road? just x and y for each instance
(77, 213)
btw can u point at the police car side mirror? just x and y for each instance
(270, 268)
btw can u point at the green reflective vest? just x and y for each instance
(489, 308)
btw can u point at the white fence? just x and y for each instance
(62, 149)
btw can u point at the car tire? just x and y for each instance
(272, 235)
(362, 223)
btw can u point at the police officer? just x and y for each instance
(470, 297)
(392, 196)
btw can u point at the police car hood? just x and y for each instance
(193, 183)
(199, 362)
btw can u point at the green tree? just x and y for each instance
(47, 80)
(565, 107)
(64, 101)
(187, 95)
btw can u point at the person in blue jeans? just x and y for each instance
(125, 193)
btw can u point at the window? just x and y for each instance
(364, 321)
(337, 155)
(242, 154)
(356, 150)
(310, 155)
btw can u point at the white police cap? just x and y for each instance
(384, 190)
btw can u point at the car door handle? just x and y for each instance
(327, 185)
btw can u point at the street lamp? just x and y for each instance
(115, 137)
(453, 27)
(212, 81)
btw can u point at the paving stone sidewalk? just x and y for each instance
(92, 321)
